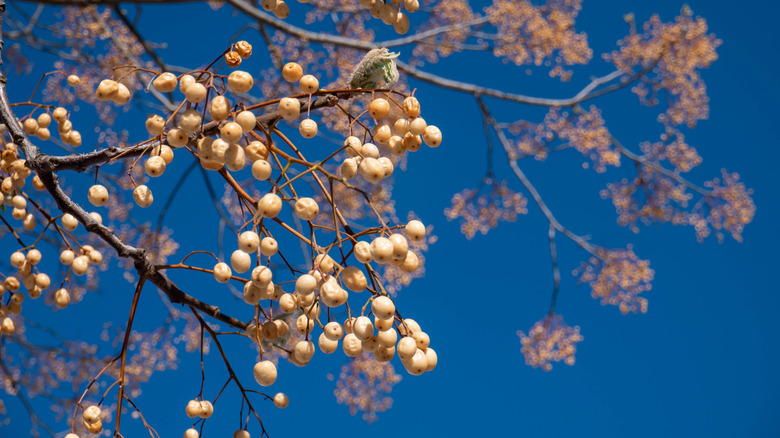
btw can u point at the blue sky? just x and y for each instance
(701, 362)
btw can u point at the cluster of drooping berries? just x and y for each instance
(389, 12)
(40, 126)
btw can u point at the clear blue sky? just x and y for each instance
(701, 362)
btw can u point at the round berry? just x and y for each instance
(74, 80)
(309, 84)
(292, 72)
(155, 166)
(354, 279)
(306, 208)
(195, 92)
(363, 252)
(307, 128)
(269, 205)
(155, 124)
(371, 170)
(107, 89)
(432, 136)
(185, 82)
(289, 108)
(240, 81)
(281, 400)
(231, 132)
(382, 250)
(98, 195)
(411, 107)
(165, 83)
(268, 246)
(59, 114)
(265, 373)
(379, 108)
(219, 108)
(69, 222)
(177, 138)
(206, 409)
(222, 272)
(383, 307)
(352, 345)
(333, 331)
(415, 230)
(190, 121)
(248, 241)
(417, 126)
(247, 120)
(193, 409)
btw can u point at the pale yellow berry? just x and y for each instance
(370, 345)
(185, 82)
(142, 196)
(351, 345)
(417, 126)
(353, 146)
(383, 307)
(304, 350)
(417, 364)
(265, 373)
(331, 294)
(415, 230)
(408, 327)
(240, 81)
(98, 195)
(363, 252)
(240, 261)
(289, 108)
(388, 13)
(306, 208)
(42, 280)
(206, 409)
(422, 339)
(396, 145)
(371, 170)
(241, 433)
(29, 222)
(411, 262)
(282, 10)
(177, 138)
(363, 328)
(190, 121)
(261, 170)
(382, 250)
(432, 358)
(18, 213)
(400, 246)
(193, 409)
(66, 257)
(247, 120)
(80, 265)
(261, 275)
(387, 338)
(74, 80)
(333, 331)
(387, 166)
(17, 259)
(326, 345)
(256, 150)
(219, 108)
(164, 151)
(107, 89)
(222, 272)
(407, 347)
(34, 256)
(324, 262)
(268, 5)
(269, 205)
(231, 132)
(43, 133)
(305, 284)
(307, 128)
(354, 279)
(190, 433)
(268, 246)
(379, 108)
(383, 325)
(384, 354)
(369, 150)
(30, 126)
(165, 83)
(96, 217)
(122, 95)
(287, 303)
(349, 168)
(93, 428)
(218, 149)
(382, 133)
(309, 84)
(432, 136)
(91, 414)
(281, 400)
(411, 5)
(155, 124)
(155, 166)
(252, 293)
(195, 92)
(235, 159)
(376, 9)
(59, 114)
(248, 241)
(61, 298)
(65, 127)
(292, 72)
(75, 138)
(401, 24)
